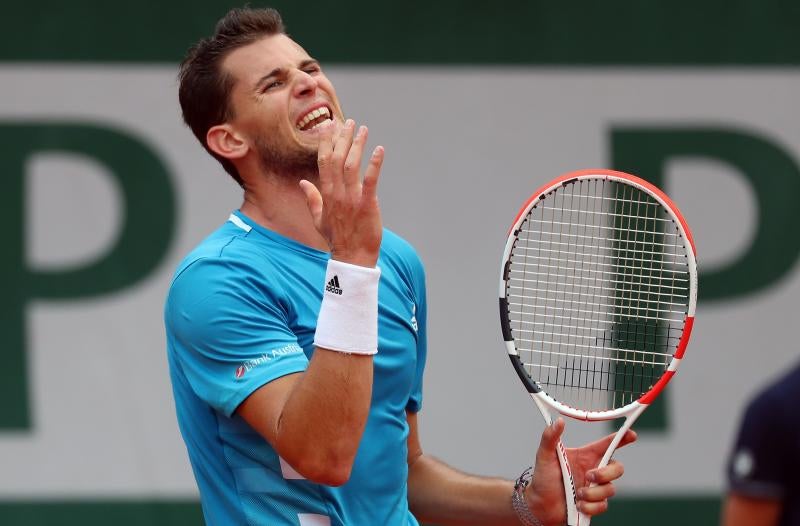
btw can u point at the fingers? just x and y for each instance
(345, 209)
(339, 159)
(593, 500)
(629, 438)
(325, 158)
(596, 493)
(341, 149)
(352, 163)
(372, 174)
(593, 508)
(604, 475)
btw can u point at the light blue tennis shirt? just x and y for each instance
(241, 312)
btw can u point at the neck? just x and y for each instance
(279, 204)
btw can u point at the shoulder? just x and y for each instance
(398, 252)
(226, 263)
(226, 244)
(769, 421)
(779, 399)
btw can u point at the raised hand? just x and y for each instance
(593, 486)
(345, 208)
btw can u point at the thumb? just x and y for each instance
(313, 201)
(550, 437)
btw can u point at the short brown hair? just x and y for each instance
(204, 88)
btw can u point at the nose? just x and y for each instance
(305, 84)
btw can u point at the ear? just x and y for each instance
(225, 142)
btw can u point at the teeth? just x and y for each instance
(321, 123)
(310, 116)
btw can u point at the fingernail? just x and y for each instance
(350, 123)
(361, 130)
(591, 476)
(581, 493)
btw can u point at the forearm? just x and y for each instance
(443, 495)
(323, 418)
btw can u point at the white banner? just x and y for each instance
(465, 147)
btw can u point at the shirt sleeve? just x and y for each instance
(757, 466)
(230, 331)
(421, 318)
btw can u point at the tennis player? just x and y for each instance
(296, 331)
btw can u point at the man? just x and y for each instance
(763, 467)
(297, 378)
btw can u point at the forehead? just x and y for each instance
(249, 63)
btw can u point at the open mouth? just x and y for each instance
(314, 118)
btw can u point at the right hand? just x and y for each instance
(594, 485)
(345, 208)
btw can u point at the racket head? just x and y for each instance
(598, 290)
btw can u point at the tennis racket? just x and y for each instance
(598, 289)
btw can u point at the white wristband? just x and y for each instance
(348, 316)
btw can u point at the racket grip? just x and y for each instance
(569, 486)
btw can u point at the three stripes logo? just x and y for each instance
(333, 286)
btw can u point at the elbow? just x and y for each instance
(326, 458)
(324, 464)
(326, 471)
(335, 476)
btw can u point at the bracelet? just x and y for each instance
(348, 316)
(518, 502)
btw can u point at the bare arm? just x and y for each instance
(315, 419)
(441, 494)
(740, 510)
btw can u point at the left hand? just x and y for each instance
(545, 496)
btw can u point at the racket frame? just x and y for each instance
(545, 402)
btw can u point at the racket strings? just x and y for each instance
(658, 288)
(597, 288)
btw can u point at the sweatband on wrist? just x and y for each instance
(348, 316)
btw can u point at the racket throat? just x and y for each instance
(636, 410)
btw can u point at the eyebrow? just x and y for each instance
(278, 72)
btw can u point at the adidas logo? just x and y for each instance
(333, 286)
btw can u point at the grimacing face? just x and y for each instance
(281, 100)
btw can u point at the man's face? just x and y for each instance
(281, 100)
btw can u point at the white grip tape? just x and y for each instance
(348, 316)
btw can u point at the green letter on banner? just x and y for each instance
(147, 227)
(775, 177)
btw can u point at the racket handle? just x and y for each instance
(566, 473)
(569, 486)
